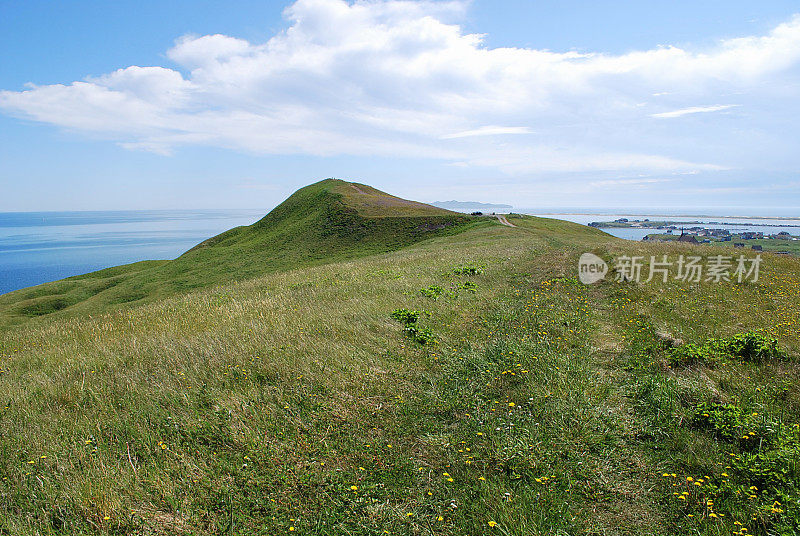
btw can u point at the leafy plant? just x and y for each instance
(404, 316)
(691, 354)
(411, 329)
(750, 346)
(419, 335)
(468, 286)
(433, 291)
(725, 420)
(468, 269)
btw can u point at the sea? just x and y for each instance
(37, 247)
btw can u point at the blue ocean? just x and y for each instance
(36, 247)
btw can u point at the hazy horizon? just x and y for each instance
(719, 212)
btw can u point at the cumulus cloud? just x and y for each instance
(402, 78)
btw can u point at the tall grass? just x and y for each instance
(293, 402)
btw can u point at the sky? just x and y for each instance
(198, 104)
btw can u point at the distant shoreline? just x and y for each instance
(655, 224)
(650, 215)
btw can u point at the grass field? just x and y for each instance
(791, 247)
(293, 401)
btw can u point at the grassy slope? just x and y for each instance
(774, 245)
(324, 222)
(294, 401)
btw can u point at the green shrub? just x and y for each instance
(749, 346)
(725, 420)
(692, 354)
(468, 269)
(468, 286)
(404, 316)
(411, 328)
(433, 291)
(419, 335)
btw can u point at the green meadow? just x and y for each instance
(359, 364)
(787, 247)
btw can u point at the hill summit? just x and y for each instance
(327, 221)
(332, 210)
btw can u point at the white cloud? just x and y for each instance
(630, 182)
(400, 78)
(694, 110)
(488, 131)
(548, 159)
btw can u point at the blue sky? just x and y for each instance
(181, 104)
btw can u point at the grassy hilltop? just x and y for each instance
(321, 223)
(392, 368)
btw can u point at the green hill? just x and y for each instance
(466, 384)
(327, 221)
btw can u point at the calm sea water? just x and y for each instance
(36, 247)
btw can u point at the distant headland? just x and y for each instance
(469, 205)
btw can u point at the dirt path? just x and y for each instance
(502, 219)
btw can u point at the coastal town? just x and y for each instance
(713, 232)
